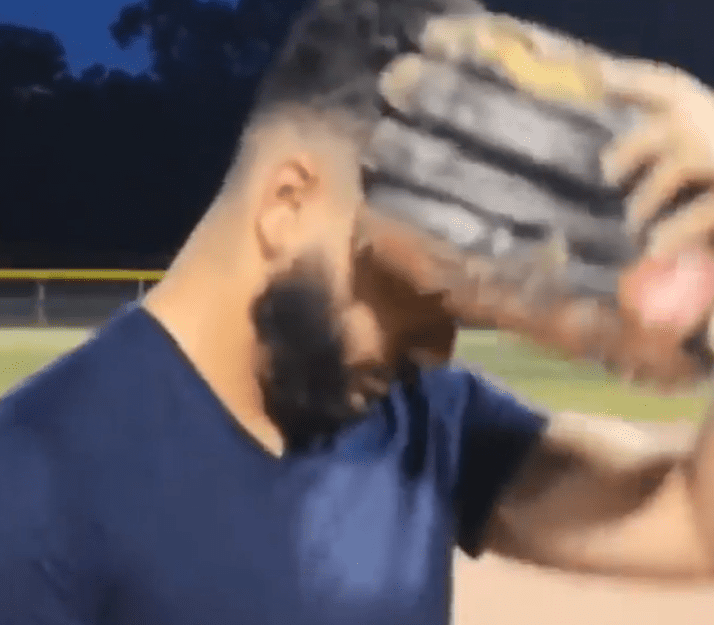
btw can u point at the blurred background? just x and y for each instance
(117, 122)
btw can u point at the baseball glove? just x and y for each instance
(485, 184)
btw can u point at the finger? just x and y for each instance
(555, 44)
(661, 187)
(674, 294)
(399, 83)
(448, 221)
(644, 82)
(481, 113)
(460, 38)
(486, 236)
(626, 155)
(452, 38)
(688, 226)
(427, 181)
(437, 167)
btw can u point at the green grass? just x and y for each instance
(24, 351)
(562, 385)
(532, 373)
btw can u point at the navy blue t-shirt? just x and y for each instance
(128, 494)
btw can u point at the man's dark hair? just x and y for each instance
(337, 48)
(330, 64)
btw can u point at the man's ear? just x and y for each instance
(286, 192)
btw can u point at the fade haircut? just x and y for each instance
(329, 68)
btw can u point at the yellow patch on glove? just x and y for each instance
(533, 61)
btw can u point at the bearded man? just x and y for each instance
(257, 442)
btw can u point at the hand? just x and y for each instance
(481, 167)
(401, 300)
(668, 155)
(473, 178)
(674, 143)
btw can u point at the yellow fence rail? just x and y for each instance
(124, 275)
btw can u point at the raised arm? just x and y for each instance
(598, 496)
(574, 502)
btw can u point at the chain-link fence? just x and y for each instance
(66, 303)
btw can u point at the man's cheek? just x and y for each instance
(673, 293)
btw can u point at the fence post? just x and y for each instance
(41, 315)
(140, 290)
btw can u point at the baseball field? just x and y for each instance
(534, 374)
(493, 591)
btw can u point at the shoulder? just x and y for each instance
(466, 393)
(52, 549)
(40, 441)
(45, 406)
(462, 409)
(106, 374)
(25, 471)
(30, 488)
(461, 380)
(55, 436)
(58, 429)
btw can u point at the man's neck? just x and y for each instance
(212, 326)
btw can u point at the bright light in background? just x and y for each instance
(82, 26)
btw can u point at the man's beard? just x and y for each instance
(304, 378)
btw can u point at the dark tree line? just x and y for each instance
(113, 170)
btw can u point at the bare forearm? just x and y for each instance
(599, 495)
(701, 481)
(609, 446)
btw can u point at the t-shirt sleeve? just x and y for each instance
(41, 582)
(496, 431)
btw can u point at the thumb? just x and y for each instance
(670, 293)
(641, 81)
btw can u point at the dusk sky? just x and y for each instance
(83, 28)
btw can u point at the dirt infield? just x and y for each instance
(493, 591)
